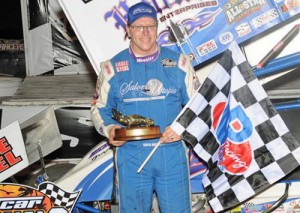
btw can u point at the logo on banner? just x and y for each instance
(18, 198)
(191, 25)
(7, 156)
(207, 47)
(243, 29)
(265, 18)
(49, 198)
(233, 129)
(226, 37)
(237, 11)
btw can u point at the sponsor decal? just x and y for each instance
(265, 18)
(146, 59)
(122, 66)
(288, 206)
(243, 29)
(207, 47)
(7, 156)
(235, 11)
(99, 150)
(252, 208)
(226, 37)
(168, 63)
(20, 199)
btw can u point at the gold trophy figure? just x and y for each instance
(137, 127)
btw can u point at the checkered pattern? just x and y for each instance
(274, 151)
(58, 196)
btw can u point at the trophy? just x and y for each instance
(137, 127)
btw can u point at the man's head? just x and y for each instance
(142, 28)
(140, 10)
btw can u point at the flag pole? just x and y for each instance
(149, 156)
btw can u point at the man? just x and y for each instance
(154, 82)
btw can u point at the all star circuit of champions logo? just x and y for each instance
(236, 10)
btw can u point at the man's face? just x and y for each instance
(143, 34)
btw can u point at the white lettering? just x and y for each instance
(125, 88)
(234, 157)
(153, 88)
(20, 203)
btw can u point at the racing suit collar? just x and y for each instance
(144, 59)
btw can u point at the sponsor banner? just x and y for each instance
(201, 30)
(20, 198)
(13, 157)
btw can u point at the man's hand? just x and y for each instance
(112, 135)
(169, 136)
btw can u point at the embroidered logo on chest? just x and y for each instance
(168, 63)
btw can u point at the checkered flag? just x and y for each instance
(58, 196)
(233, 126)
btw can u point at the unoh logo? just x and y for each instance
(232, 129)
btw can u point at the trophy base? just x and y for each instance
(137, 133)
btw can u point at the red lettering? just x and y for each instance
(7, 157)
(12, 159)
(4, 146)
(3, 164)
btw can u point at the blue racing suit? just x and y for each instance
(156, 87)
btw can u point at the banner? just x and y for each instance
(200, 29)
(48, 198)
